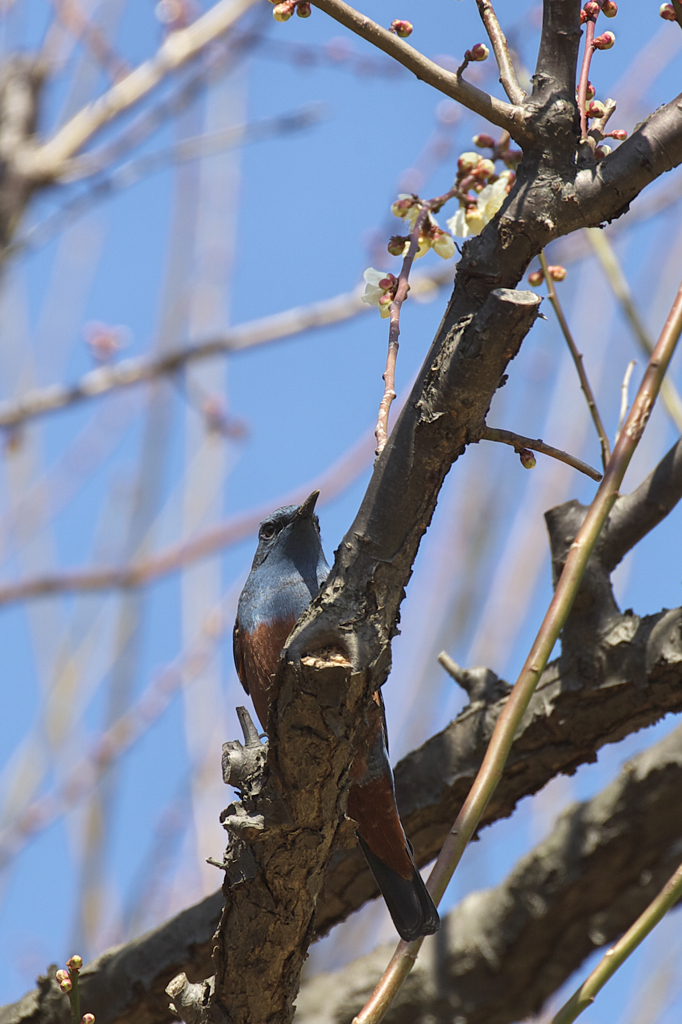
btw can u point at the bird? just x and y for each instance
(288, 570)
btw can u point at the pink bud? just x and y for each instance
(61, 975)
(667, 12)
(478, 52)
(75, 962)
(595, 109)
(604, 42)
(88, 1018)
(303, 9)
(483, 169)
(536, 277)
(386, 300)
(65, 984)
(609, 9)
(402, 28)
(583, 17)
(467, 162)
(602, 151)
(557, 273)
(589, 92)
(484, 141)
(387, 282)
(591, 9)
(527, 458)
(619, 134)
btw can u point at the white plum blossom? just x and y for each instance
(409, 213)
(379, 285)
(443, 245)
(490, 199)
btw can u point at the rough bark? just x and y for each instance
(503, 951)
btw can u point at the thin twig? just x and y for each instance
(584, 76)
(249, 335)
(518, 441)
(143, 570)
(381, 432)
(548, 634)
(610, 264)
(627, 944)
(504, 115)
(508, 79)
(578, 360)
(76, 21)
(624, 396)
(47, 160)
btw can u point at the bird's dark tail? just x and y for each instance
(408, 900)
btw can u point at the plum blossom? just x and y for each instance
(470, 220)
(379, 290)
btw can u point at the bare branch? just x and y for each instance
(518, 441)
(578, 361)
(505, 115)
(47, 161)
(498, 42)
(257, 332)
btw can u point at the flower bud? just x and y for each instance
(512, 157)
(303, 9)
(527, 458)
(583, 17)
(61, 975)
(467, 162)
(402, 28)
(609, 9)
(478, 52)
(591, 9)
(402, 206)
(475, 220)
(75, 962)
(667, 12)
(484, 141)
(388, 282)
(88, 1018)
(535, 278)
(590, 91)
(604, 42)
(65, 984)
(557, 273)
(619, 134)
(396, 244)
(602, 151)
(483, 169)
(595, 108)
(282, 12)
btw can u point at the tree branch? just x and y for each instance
(505, 115)
(498, 41)
(45, 162)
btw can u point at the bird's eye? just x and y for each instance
(267, 532)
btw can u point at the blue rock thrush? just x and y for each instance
(287, 572)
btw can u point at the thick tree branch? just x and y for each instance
(504, 115)
(505, 950)
(631, 681)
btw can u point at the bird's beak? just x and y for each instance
(306, 510)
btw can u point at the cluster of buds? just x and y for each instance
(68, 983)
(591, 10)
(486, 191)
(536, 277)
(380, 289)
(667, 12)
(401, 28)
(284, 11)
(408, 207)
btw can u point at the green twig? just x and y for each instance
(614, 957)
(555, 617)
(610, 264)
(577, 359)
